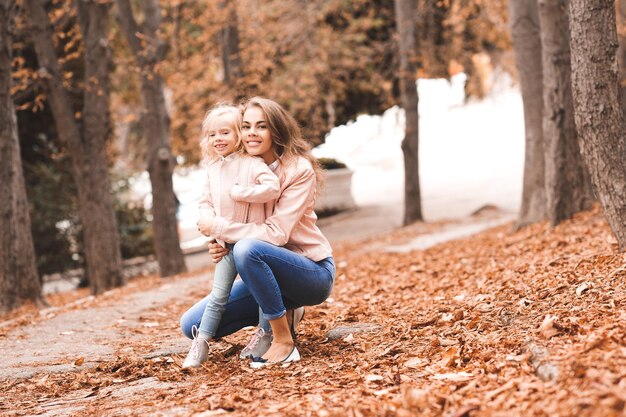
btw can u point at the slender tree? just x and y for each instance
(405, 11)
(525, 30)
(18, 272)
(567, 184)
(231, 59)
(597, 109)
(85, 139)
(621, 33)
(149, 50)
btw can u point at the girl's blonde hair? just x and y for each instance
(233, 115)
(285, 133)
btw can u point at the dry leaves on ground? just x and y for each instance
(503, 323)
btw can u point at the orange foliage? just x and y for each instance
(325, 61)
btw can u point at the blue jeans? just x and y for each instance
(272, 278)
(223, 278)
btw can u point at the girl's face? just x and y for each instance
(222, 137)
(256, 135)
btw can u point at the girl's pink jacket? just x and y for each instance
(236, 189)
(290, 220)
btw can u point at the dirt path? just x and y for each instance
(95, 332)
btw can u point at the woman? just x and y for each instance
(284, 263)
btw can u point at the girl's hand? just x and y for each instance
(216, 251)
(205, 224)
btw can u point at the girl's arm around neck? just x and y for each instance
(266, 186)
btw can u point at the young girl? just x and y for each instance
(237, 187)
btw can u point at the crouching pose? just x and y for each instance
(285, 262)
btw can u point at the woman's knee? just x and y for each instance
(245, 249)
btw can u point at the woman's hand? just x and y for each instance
(217, 251)
(205, 224)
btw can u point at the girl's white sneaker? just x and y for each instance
(199, 352)
(259, 344)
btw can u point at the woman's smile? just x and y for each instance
(257, 137)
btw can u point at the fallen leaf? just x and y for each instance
(516, 358)
(582, 288)
(427, 322)
(41, 381)
(447, 342)
(414, 362)
(547, 328)
(449, 357)
(373, 378)
(454, 377)
(79, 361)
(473, 322)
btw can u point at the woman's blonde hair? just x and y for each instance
(234, 117)
(286, 134)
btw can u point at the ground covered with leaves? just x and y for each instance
(503, 323)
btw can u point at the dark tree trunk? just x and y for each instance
(155, 122)
(599, 117)
(567, 184)
(85, 145)
(525, 31)
(621, 26)
(230, 43)
(405, 22)
(19, 281)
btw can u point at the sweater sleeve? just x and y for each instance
(266, 187)
(291, 206)
(205, 206)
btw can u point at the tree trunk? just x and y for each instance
(155, 122)
(567, 184)
(599, 117)
(405, 23)
(18, 272)
(525, 31)
(230, 44)
(86, 146)
(621, 26)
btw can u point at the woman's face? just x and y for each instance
(256, 135)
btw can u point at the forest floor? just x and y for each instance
(500, 323)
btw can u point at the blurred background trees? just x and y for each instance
(19, 280)
(83, 132)
(100, 99)
(149, 50)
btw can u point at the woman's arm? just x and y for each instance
(295, 199)
(266, 186)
